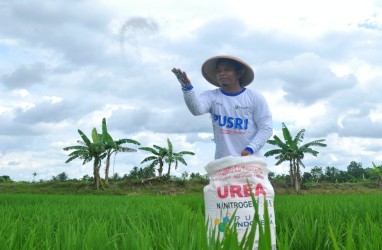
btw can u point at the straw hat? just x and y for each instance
(209, 70)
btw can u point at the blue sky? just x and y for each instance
(64, 65)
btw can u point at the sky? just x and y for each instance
(66, 64)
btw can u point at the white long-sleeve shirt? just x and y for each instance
(239, 120)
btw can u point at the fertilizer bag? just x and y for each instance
(229, 191)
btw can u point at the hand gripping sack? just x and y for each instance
(228, 192)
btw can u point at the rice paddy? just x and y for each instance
(165, 222)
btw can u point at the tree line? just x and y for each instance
(354, 173)
(135, 174)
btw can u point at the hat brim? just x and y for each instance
(209, 70)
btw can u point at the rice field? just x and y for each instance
(165, 222)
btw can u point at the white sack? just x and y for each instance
(228, 190)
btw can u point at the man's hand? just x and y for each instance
(245, 153)
(182, 77)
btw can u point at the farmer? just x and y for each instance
(241, 119)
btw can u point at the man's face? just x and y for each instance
(227, 74)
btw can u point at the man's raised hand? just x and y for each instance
(182, 77)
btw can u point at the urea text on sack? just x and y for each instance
(240, 191)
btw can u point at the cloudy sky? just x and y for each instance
(66, 64)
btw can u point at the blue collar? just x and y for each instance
(233, 94)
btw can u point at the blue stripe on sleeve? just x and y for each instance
(249, 150)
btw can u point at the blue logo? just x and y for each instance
(231, 122)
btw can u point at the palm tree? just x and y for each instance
(112, 147)
(89, 151)
(292, 152)
(173, 157)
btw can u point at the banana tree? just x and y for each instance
(112, 147)
(89, 151)
(293, 153)
(157, 157)
(173, 157)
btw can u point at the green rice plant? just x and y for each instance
(99, 222)
(263, 231)
(178, 222)
(329, 222)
